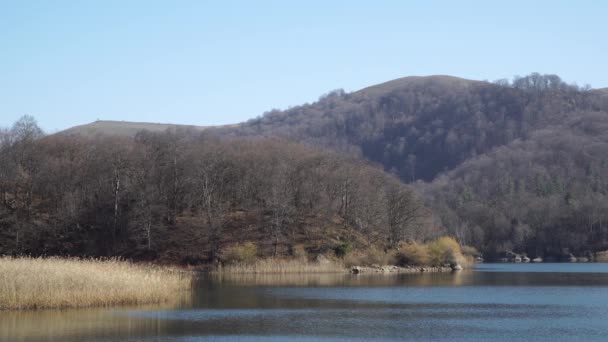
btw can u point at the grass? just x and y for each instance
(283, 266)
(32, 283)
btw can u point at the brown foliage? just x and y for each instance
(186, 196)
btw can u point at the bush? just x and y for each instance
(299, 252)
(283, 266)
(342, 249)
(240, 253)
(367, 257)
(413, 254)
(445, 250)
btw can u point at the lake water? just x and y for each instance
(494, 302)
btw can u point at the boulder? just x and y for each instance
(457, 267)
(537, 259)
(517, 259)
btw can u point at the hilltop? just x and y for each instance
(124, 128)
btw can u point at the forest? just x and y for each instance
(510, 165)
(182, 196)
(506, 166)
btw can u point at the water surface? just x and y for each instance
(498, 302)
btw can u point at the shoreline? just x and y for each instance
(313, 268)
(404, 269)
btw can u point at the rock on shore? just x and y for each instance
(406, 269)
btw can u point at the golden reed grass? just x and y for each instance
(282, 266)
(30, 283)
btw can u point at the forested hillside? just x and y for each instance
(508, 165)
(183, 196)
(517, 165)
(418, 127)
(545, 195)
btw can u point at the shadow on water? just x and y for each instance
(494, 302)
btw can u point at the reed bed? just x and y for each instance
(30, 283)
(283, 266)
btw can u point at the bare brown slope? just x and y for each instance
(440, 81)
(123, 128)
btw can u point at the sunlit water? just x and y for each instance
(495, 302)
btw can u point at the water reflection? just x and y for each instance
(485, 274)
(338, 279)
(495, 302)
(79, 324)
(73, 324)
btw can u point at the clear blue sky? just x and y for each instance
(217, 62)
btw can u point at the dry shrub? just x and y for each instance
(282, 266)
(245, 253)
(30, 283)
(413, 254)
(469, 253)
(299, 252)
(445, 250)
(369, 256)
(342, 249)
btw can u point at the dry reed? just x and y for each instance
(281, 266)
(29, 283)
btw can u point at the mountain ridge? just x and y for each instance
(130, 128)
(124, 128)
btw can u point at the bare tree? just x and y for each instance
(404, 212)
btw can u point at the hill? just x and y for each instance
(545, 195)
(123, 128)
(470, 146)
(187, 197)
(506, 165)
(418, 127)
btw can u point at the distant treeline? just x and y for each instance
(183, 196)
(546, 195)
(508, 165)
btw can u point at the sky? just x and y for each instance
(219, 62)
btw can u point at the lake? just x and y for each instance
(497, 302)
